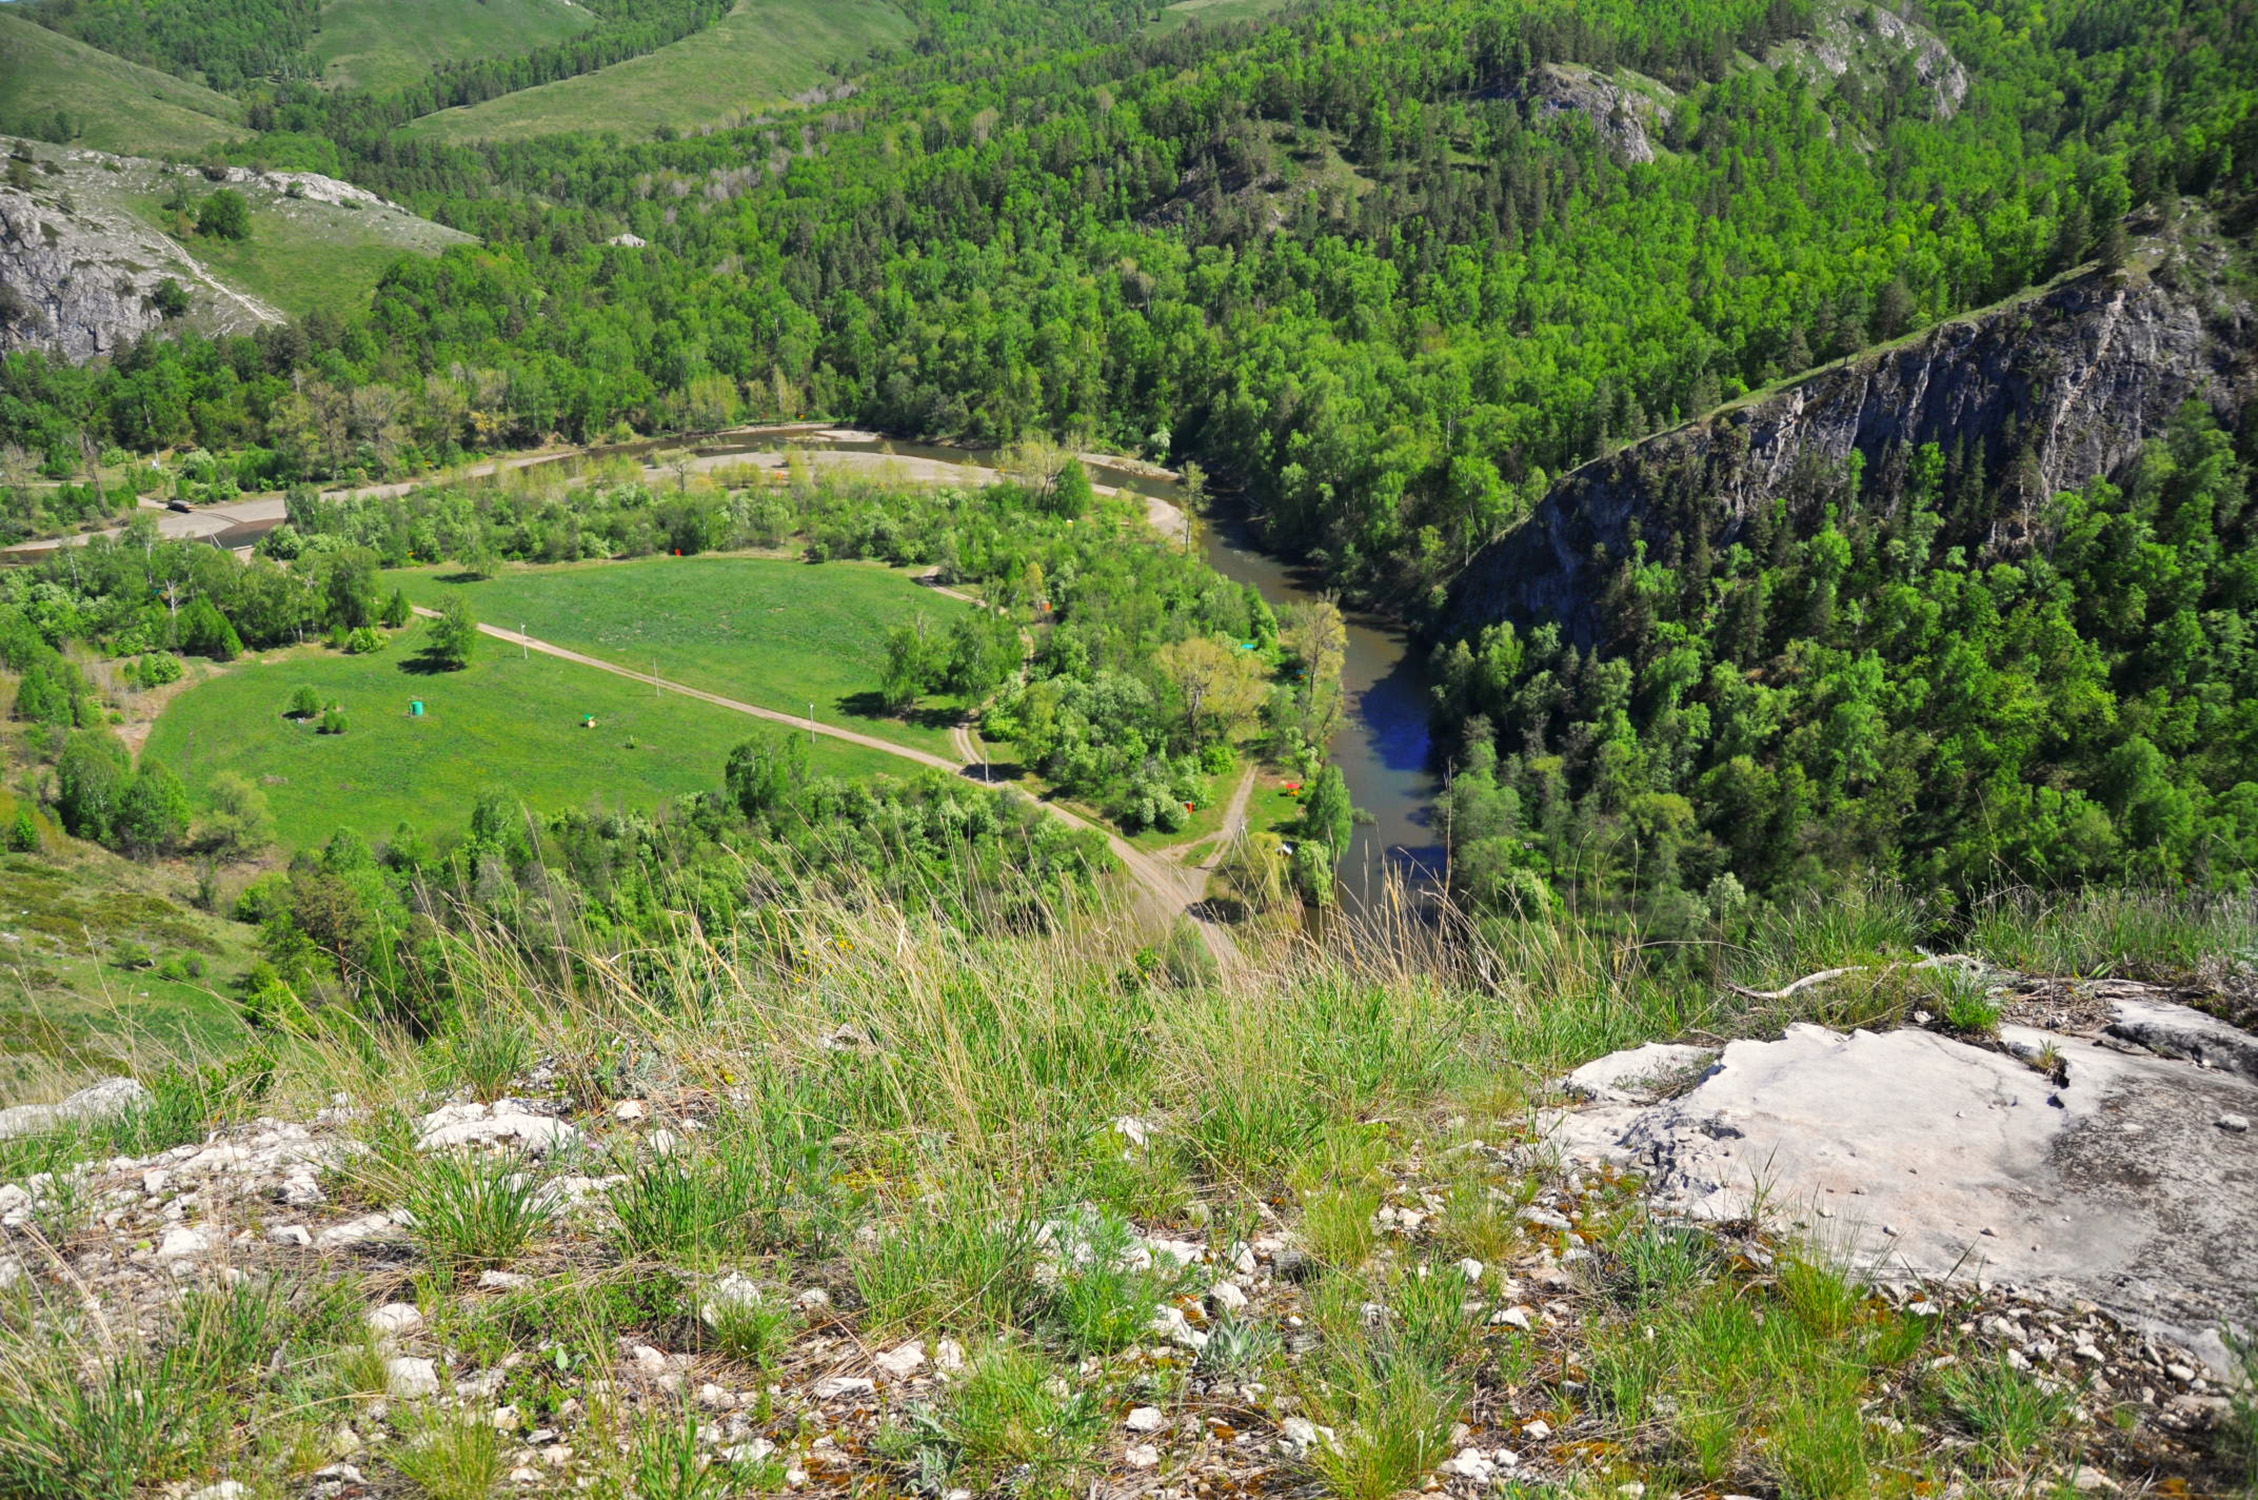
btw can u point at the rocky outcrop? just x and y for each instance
(1625, 108)
(83, 256)
(2052, 390)
(2077, 1167)
(82, 272)
(1883, 49)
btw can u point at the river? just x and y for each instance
(1382, 747)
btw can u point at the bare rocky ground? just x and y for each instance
(2116, 1122)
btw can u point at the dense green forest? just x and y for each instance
(1850, 683)
(1376, 267)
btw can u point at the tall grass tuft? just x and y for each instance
(473, 1210)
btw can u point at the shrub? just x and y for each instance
(472, 1210)
(305, 703)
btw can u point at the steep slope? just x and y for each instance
(85, 248)
(2052, 389)
(108, 103)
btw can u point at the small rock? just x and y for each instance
(831, 1388)
(712, 1397)
(180, 1243)
(408, 1379)
(341, 1474)
(1297, 1435)
(502, 1281)
(226, 1489)
(395, 1318)
(1226, 1296)
(1512, 1317)
(903, 1362)
(630, 1109)
(1471, 1269)
(948, 1357)
(647, 1359)
(1142, 1456)
(665, 1143)
(1135, 1131)
(1537, 1431)
(1471, 1463)
(503, 1418)
(1544, 1218)
(813, 1298)
(1171, 1324)
(749, 1453)
(1145, 1419)
(289, 1234)
(2236, 1123)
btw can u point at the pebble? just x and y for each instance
(395, 1318)
(226, 1489)
(1145, 1419)
(289, 1234)
(833, 1387)
(181, 1243)
(1227, 1297)
(630, 1109)
(903, 1362)
(502, 1281)
(1512, 1317)
(1142, 1456)
(1471, 1269)
(408, 1379)
(2236, 1123)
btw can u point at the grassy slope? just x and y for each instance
(387, 44)
(67, 1007)
(500, 722)
(766, 631)
(117, 105)
(1184, 12)
(304, 255)
(759, 55)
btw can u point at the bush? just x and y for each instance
(304, 704)
(332, 722)
(225, 215)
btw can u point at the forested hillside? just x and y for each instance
(1383, 268)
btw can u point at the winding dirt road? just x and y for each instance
(1165, 891)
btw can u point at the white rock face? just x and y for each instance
(1930, 1157)
(1638, 1074)
(112, 1096)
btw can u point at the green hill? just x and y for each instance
(387, 44)
(111, 104)
(759, 55)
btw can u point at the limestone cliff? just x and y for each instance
(2053, 390)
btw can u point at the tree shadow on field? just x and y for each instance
(868, 704)
(429, 663)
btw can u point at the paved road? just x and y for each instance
(1165, 891)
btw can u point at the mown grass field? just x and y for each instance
(758, 56)
(113, 104)
(304, 256)
(501, 722)
(387, 44)
(767, 631)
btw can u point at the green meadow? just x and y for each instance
(756, 57)
(389, 44)
(767, 631)
(114, 105)
(503, 721)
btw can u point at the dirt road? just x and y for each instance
(1165, 891)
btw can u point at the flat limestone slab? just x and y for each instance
(1923, 1157)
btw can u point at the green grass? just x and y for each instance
(1185, 12)
(304, 256)
(501, 721)
(758, 56)
(74, 1000)
(764, 631)
(388, 44)
(113, 104)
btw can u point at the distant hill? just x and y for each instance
(759, 55)
(387, 44)
(110, 104)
